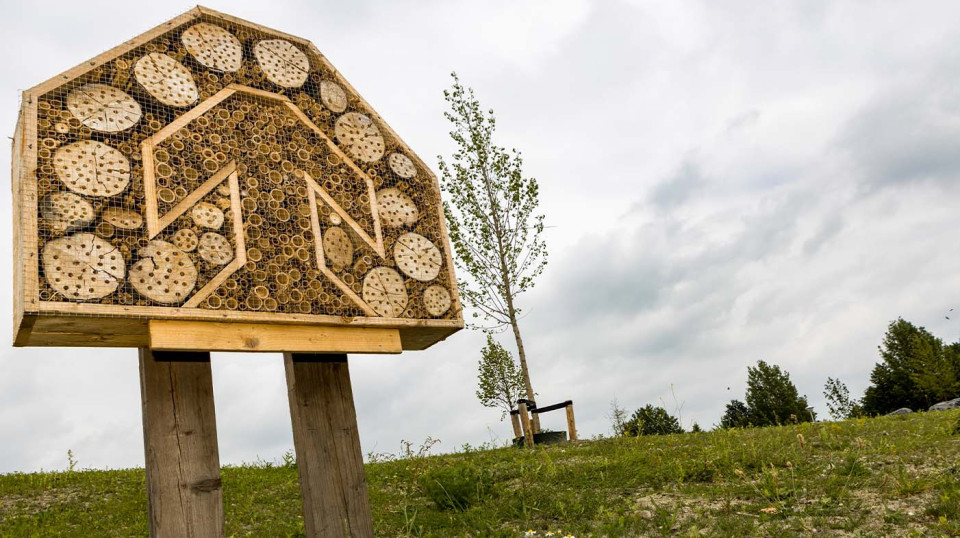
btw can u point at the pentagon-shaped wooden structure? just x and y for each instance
(218, 171)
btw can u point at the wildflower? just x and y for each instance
(530, 532)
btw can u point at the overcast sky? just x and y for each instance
(761, 180)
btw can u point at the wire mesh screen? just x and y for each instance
(221, 167)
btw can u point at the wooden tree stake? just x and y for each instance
(515, 421)
(527, 426)
(180, 444)
(571, 423)
(332, 484)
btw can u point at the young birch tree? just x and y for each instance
(500, 381)
(492, 214)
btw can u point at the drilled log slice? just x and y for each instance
(396, 208)
(65, 211)
(417, 257)
(215, 249)
(123, 219)
(402, 165)
(384, 291)
(436, 299)
(164, 274)
(333, 96)
(282, 62)
(104, 108)
(92, 168)
(213, 47)
(207, 215)
(360, 136)
(166, 79)
(82, 267)
(185, 239)
(337, 247)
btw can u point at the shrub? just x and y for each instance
(650, 420)
(456, 486)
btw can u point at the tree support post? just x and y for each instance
(571, 423)
(515, 421)
(327, 442)
(184, 495)
(527, 426)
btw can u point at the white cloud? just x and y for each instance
(802, 155)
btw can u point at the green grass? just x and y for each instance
(886, 476)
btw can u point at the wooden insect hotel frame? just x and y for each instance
(214, 185)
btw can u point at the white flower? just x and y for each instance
(530, 532)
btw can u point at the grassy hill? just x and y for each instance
(891, 475)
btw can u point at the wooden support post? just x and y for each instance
(332, 484)
(571, 423)
(184, 498)
(515, 420)
(527, 426)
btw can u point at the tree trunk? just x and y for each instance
(523, 364)
(499, 232)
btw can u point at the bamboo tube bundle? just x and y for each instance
(334, 214)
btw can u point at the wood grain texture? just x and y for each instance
(448, 255)
(201, 335)
(515, 422)
(526, 425)
(571, 422)
(184, 495)
(213, 47)
(415, 327)
(332, 482)
(50, 330)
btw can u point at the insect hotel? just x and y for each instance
(214, 185)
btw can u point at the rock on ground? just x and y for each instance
(943, 406)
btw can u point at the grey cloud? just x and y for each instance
(761, 244)
(742, 121)
(907, 134)
(680, 186)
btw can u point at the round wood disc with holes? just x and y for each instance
(402, 165)
(282, 62)
(213, 47)
(164, 274)
(396, 208)
(185, 239)
(436, 299)
(417, 257)
(207, 215)
(64, 211)
(123, 219)
(384, 291)
(215, 249)
(82, 267)
(333, 96)
(360, 136)
(104, 108)
(337, 247)
(166, 79)
(92, 168)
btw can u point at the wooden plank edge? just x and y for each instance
(170, 335)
